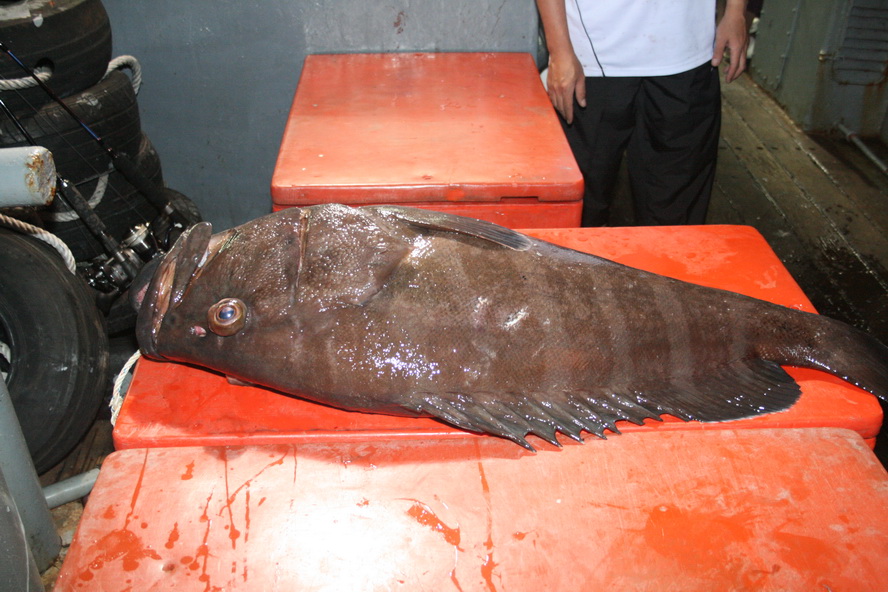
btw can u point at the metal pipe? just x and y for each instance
(17, 466)
(70, 489)
(852, 137)
(18, 570)
(27, 176)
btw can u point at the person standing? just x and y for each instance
(641, 77)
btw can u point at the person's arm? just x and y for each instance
(565, 79)
(732, 35)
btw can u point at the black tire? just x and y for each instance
(58, 362)
(109, 108)
(73, 38)
(121, 208)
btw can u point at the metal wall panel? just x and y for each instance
(826, 64)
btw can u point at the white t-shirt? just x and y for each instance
(641, 37)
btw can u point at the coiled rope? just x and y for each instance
(119, 389)
(94, 200)
(132, 64)
(44, 73)
(47, 237)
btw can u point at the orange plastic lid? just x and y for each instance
(414, 127)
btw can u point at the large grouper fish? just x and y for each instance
(403, 311)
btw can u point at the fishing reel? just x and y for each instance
(112, 273)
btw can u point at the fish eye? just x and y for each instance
(227, 316)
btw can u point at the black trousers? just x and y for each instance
(668, 127)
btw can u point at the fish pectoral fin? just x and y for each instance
(448, 222)
(347, 257)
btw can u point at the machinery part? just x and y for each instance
(18, 569)
(70, 489)
(854, 138)
(58, 359)
(24, 488)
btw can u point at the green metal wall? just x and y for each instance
(826, 63)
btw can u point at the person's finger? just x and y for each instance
(738, 63)
(580, 92)
(566, 100)
(718, 53)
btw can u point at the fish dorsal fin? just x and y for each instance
(744, 388)
(345, 257)
(448, 222)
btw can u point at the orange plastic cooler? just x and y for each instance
(176, 405)
(789, 510)
(467, 133)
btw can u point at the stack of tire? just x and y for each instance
(54, 337)
(72, 40)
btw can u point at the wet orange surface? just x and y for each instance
(468, 133)
(788, 510)
(172, 404)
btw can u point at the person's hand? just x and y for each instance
(731, 36)
(564, 81)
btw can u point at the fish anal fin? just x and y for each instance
(738, 390)
(510, 415)
(741, 389)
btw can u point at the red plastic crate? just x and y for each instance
(171, 404)
(789, 510)
(468, 133)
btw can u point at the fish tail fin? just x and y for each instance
(846, 352)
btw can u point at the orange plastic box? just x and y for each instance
(177, 405)
(467, 133)
(789, 510)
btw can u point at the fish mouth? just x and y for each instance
(160, 286)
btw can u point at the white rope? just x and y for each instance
(43, 235)
(94, 200)
(118, 395)
(44, 73)
(130, 62)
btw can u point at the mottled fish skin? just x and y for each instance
(403, 311)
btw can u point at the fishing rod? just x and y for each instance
(128, 262)
(154, 194)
